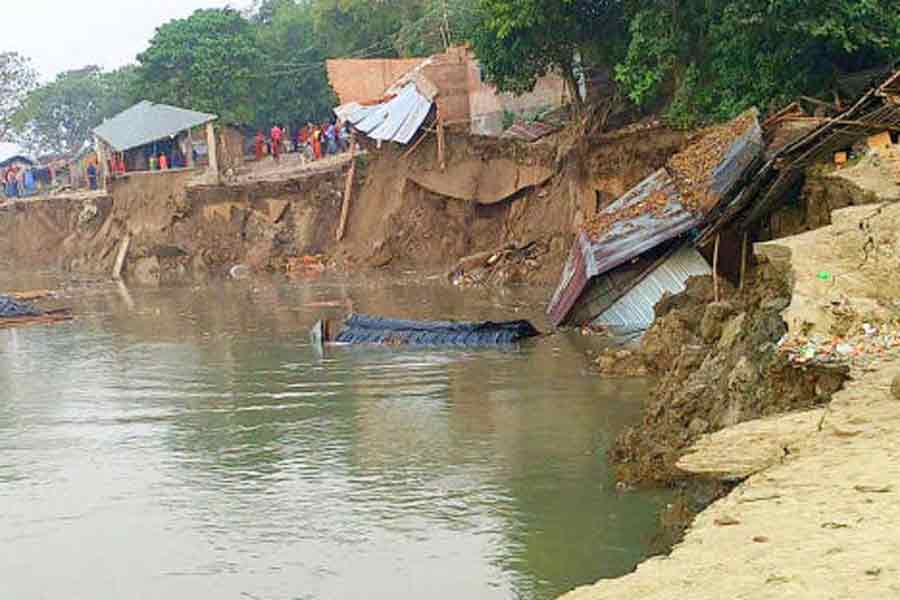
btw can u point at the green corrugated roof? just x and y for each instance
(147, 122)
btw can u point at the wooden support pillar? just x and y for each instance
(441, 148)
(102, 169)
(190, 150)
(348, 189)
(716, 268)
(211, 144)
(743, 260)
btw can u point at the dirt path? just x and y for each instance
(817, 517)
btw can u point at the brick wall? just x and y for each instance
(360, 80)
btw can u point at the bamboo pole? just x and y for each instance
(348, 189)
(442, 163)
(716, 268)
(743, 260)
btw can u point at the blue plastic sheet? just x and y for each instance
(10, 309)
(362, 329)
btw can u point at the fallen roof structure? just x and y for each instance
(146, 122)
(644, 234)
(363, 329)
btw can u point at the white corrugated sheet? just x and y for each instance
(634, 311)
(395, 120)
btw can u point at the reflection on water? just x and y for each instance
(189, 443)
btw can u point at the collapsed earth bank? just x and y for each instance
(407, 211)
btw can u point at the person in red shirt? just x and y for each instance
(163, 162)
(276, 135)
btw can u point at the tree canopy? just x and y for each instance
(17, 79)
(60, 116)
(207, 62)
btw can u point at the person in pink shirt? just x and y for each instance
(276, 135)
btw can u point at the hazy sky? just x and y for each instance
(66, 34)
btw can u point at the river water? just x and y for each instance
(189, 443)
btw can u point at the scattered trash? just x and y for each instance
(239, 272)
(873, 572)
(824, 276)
(761, 539)
(833, 525)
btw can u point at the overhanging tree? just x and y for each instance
(519, 41)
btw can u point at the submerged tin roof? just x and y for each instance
(625, 239)
(147, 122)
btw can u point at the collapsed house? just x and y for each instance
(389, 100)
(652, 240)
(643, 245)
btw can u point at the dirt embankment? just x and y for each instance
(719, 365)
(407, 212)
(815, 513)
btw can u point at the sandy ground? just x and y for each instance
(288, 167)
(817, 517)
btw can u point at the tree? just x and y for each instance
(715, 59)
(294, 85)
(363, 28)
(17, 79)
(519, 41)
(60, 116)
(207, 62)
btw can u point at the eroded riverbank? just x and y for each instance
(814, 514)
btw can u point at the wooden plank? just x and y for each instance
(348, 189)
(124, 245)
(441, 141)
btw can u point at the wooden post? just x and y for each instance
(101, 163)
(743, 261)
(348, 189)
(120, 257)
(716, 268)
(211, 143)
(442, 163)
(190, 150)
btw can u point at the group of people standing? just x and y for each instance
(313, 141)
(18, 181)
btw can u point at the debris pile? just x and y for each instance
(654, 204)
(509, 264)
(305, 266)
(692, 168)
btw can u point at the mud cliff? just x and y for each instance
(408, 211)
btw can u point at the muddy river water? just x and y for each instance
(189, 443)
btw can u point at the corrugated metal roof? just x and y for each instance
(9, 151)
(635, 311)
(397, 119)
(147, 122)
(625, 239)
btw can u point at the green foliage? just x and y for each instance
(519, 41)
(715, 59)
(59, 116)
(207, 62)
(17, 79)
(295, 86)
